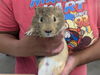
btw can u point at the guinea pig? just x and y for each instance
(48, 22)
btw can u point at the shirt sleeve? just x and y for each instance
(7, 20)
(98, 7)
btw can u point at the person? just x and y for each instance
(80, 16)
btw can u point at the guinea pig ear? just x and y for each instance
(38, 10)
(58, 9)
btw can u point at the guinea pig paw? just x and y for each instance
(29, 33)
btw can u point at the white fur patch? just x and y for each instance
(48, 67)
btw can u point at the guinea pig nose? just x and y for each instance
(48, 31)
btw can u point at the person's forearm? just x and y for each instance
(90, 54)
(30, 46)
(8, 44)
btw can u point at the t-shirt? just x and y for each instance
(98, 6)
(80, 17)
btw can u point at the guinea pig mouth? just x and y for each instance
(48, 34)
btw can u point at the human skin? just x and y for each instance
(29, 46)
(83, 57)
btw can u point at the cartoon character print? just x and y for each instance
(83, 21)
(78, 33)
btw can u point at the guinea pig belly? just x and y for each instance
(53, 65)
(47, 67)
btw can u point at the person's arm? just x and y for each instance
(8, 43)
(83, 57)
(90, 54)
(27, 46)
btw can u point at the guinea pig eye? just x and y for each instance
(41, 19)
(54, 18)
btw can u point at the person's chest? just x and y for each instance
(24, 10)
(80, 18)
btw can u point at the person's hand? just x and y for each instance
(30, 46)
(71, 63)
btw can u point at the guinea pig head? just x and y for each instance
(49, 21)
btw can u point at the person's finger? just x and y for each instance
(70, 65)
(59, 49)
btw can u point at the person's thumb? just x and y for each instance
(70, 65)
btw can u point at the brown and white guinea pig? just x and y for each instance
(48, 22)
